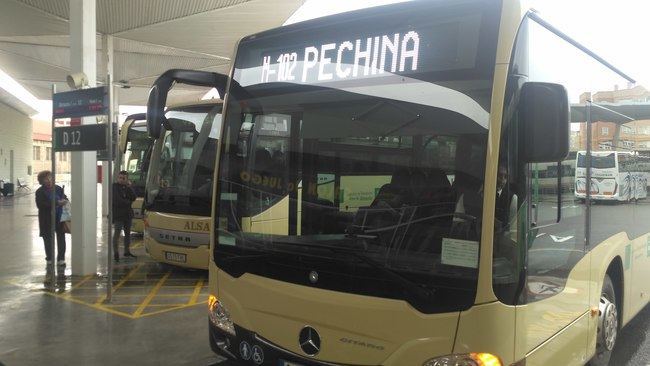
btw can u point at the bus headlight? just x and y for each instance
(468, 359)
(219, 316)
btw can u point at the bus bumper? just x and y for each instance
(230, 347)
(196, 258)
(137, 226)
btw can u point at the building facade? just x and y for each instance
(42, 152)
(631, 136)
(15, 145)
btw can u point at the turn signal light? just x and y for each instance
(468, 359)
(486, 359)
(219, 315)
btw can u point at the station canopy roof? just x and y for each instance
(150, 37)
(611, 112)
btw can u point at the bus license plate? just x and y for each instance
(287, 363)
(176, 257)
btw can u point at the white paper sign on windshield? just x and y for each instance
(462, 253)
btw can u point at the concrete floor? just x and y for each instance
(157, 316)
(70, 328)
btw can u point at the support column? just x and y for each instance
(107, 53)
(83, 58)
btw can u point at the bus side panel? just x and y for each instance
(635, 256)
(640, 275)
(477, 323)
(542, 320)
(565, 348)
(601, 257)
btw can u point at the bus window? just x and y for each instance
(308, 166)
(181, 175)
(136, 155)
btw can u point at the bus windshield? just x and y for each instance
(347, 149)
(598, 161)
(136, 157)
(182, 167)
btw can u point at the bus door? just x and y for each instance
(540, 227)
(265, 139)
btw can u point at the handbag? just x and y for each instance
(67, 227)
(66, 218)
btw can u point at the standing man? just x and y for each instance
(123, 197)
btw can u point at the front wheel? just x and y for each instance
(607, 324)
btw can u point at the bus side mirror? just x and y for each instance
(155, 111)
(544, 114)
(160, 89)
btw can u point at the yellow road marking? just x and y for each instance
(176, 306)
(93, 287)
(76, 286)
(166, 310)
(157, 295)
(119, 284)
(116, 309)
(197, 292)
(151, 295)
(98, 307)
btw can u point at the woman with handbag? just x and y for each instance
(44, 204)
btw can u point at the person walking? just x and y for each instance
(123, 197)
(44, 203)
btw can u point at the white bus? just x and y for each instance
(615, 176)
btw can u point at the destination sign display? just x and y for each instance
(80, 138)
(370, 56)
(419, 41)
(80, 103)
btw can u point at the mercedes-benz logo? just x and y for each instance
(309, 341)
(313, 276)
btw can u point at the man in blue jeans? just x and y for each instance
(123, 197)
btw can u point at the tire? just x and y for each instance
(608, 324)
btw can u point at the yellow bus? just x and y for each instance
(179, 185)
(134, 153)
(439, 114)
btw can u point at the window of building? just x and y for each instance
(604, 131)
(37, 153)
(48, 153)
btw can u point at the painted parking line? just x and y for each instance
(141, 289)
(151, 295)
(119, 284)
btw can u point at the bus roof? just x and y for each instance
(195, 104)
(354, 15)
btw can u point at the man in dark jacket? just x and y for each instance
(44, 204)
(123, 197)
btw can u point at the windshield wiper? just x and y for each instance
(251, 257)
(421, 292)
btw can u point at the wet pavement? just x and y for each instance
(157, 315)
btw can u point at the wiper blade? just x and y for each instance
(252, 257)
(421, 292)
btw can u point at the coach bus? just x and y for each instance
(179, 186)
(615, 176)
(442, 110)
(135, 147)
